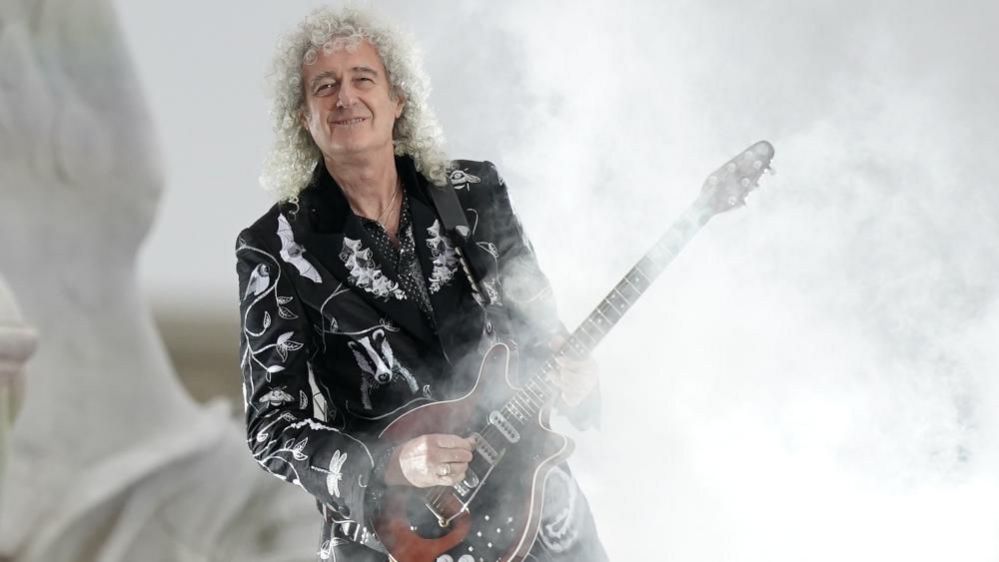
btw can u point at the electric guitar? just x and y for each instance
(495, 512)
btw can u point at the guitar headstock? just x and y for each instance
(727, 187)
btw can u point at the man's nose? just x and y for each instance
(345, 97)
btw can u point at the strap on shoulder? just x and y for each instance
(452, 216)
(449, 209)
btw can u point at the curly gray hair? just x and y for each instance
(289, 167)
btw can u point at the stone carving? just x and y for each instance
(17, 343)
(109, 459)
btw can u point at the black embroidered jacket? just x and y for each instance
(332, 349)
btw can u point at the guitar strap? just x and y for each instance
(455, 226)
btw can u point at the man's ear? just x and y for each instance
(400, 104)
(303, 118)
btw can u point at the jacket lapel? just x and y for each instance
(330, 231)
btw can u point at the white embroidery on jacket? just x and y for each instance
(560, 519)
(378, 365)
(276, 397)
(461, 179)
(443, 256)
(260, 280)
(365, 274)
(292, 251)
(335, 474)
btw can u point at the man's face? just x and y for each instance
(348, 108)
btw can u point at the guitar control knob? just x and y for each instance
(466, 558)
(445, 558)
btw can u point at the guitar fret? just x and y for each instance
(643, 277)
(582, 332)
(604, 316)
(548, 385)
(617, 293)
(609, 300)
(625, 284)
(533, 387)
(523, 403)
(591, 321)
(581, 349)
(608, 311)
(514, 412)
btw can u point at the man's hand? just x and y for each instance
(575, 378)
(430, 460)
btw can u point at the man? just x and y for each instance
(356, 305)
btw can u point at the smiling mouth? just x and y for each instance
(349, 122)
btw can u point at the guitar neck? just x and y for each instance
(724, 190)
(627, 291)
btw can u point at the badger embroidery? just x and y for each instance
(378, 365)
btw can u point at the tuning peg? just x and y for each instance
(757, 165)
(730, 166)
(745, 182)
(713, 181)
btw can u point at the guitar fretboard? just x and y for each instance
(541, 388)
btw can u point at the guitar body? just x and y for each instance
(494, 514)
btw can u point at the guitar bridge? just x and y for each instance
(470, 481)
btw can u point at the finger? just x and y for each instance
(451, 456)
(556, 343)
(445, 441)
(451, 470)
(586, 364)
(441, 456)
(457, 474)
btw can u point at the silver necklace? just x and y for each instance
(388, 208)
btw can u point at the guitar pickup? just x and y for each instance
(499, 421)
(487, 451)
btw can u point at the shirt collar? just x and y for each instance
(327, 206)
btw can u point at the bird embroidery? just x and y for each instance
(260, 279)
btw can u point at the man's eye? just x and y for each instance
(323, 88)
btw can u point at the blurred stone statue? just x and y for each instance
(17, 343)
(109, 458)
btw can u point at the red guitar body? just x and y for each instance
(494, 514)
